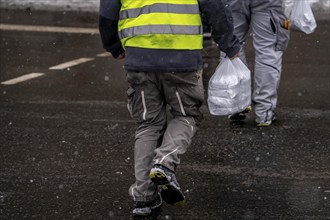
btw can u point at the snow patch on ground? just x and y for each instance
(52, 5)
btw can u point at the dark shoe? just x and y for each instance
(170, 188)
(146, 208)
(241, 115)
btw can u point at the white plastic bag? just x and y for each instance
(287, 7)
(229, 89)
(302, 17)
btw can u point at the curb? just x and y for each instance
(321, 10)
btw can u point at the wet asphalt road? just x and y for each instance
(66, 138)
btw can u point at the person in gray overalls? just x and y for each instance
(270, 33)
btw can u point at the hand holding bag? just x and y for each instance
(229, 89)
(302, 17)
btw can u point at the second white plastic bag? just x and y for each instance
(229, 89)
(302, 17)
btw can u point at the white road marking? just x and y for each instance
(35, 28)
(71, 63)
(105, 54)
(22, 78)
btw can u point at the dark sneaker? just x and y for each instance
(241, 115)
(267, 123)
(146, 208)
(170, 188)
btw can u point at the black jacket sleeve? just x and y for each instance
(219, 16)
(108, 26)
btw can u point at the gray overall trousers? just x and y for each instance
(270, 39)
(158, 138)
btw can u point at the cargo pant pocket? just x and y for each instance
(282, 33)
(135, 95)
(189, 95)
(130, 93)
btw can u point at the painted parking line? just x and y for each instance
(71, 63)
(35, 28)
(105, 54)
(22, 78)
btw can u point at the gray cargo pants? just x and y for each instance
(270, 39)
(158, 139)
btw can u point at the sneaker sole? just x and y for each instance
(247, 110)
(238, 117)
(263, 125)
(241, 115)
(141, 213)
(267, 124)
(169, 193)
(145, 211)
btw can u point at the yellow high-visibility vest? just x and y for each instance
(161, 24)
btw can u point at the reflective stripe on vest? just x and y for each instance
(169, 24)
(178, 9)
